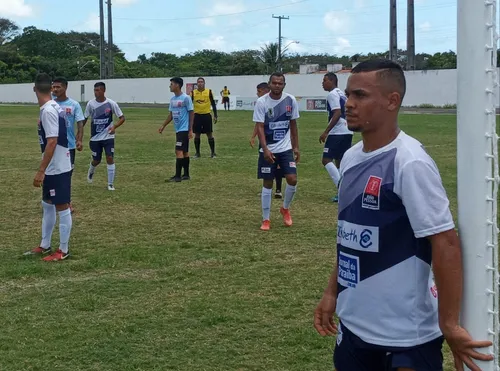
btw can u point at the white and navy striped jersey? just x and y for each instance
(102, 118)
(390, 201)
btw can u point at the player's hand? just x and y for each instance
(252, 142)
(323, 316)
(160, 130)
(269, 156)
(190, 134)
(111, 130)
(296, 154)
(38, 180)
(322, 137)
(462, 347)
(79, 145)
(215, 120)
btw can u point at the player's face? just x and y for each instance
(365, 102)
(58, 89)
(327, 84)
(261, 92)
(277, 84)
(173, 86)
(99, 92)
(201, 84)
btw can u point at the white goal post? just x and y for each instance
(477, 170)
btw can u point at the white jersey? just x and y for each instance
(390, 200)
(335, 100)
(101, 114)
(276, 115)
(52, 124)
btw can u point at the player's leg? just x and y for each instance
(60, 197)
(197, 129)
(287, 163)
(266, 172)
(72, 153)
(279, 182)
(185, 154)
(208, 129)
(179, 158)
(109, 150)
(428, 357)
(330, 152)
(96, 150)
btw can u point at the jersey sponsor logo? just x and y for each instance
(100, 122)
(279, 125)
(279, 135)
(371, 194)
(357, 237)
(68, 111)
(179, 104)
(265, 170)
(348, 270)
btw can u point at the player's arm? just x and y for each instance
(214, 105)
(79, 118)
(259, 115)
(50, 122)
(323, 315)
(252, 138)
(334, 103)
(191, 123)
(118, 112)
(165, 123)
(294, 130)
(432, 219)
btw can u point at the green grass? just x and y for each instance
(174, 276)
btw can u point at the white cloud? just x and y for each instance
(342, 45)
(15, 8)
(215, 42)
(90, 24)
(336, 21)
(123, 2)
(424, 27)
(221, 7)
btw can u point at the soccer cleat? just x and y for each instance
(90, 177)
(266, 225)
(186, 177)
(197, 155)
(175, 179)
(57, 256)
(287, 218)
(38, 251)
(111, 187)
(213, 155)
(278, 194)
(335, 198)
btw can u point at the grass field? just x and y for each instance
(174, 276)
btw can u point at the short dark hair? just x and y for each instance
(390, 72)
(61, 80)
(277, 74)
(43, 83)
(200, 78)
(332, 77)
(178, 80)
(263, 85)
(99, 84)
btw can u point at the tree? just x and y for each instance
(8, 30)
(269, 56)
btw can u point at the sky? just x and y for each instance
(180, 27)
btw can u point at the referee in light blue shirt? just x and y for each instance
(182, 113)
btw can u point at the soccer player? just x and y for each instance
(275, 115)
(337, 137)
(181, 112)
(101, 110)
(262, 89)
(54, 173)
(394, 224)
(202, 100)
(225, 93)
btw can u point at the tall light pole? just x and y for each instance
(102, 43)
(280, 39)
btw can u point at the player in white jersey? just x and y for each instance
(102, 137)
(337, 137)
(275, 115)
(394, 224)
(54, 174)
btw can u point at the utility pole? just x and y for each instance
(280, 40)
(111, 60)
(393, 32)
(102, 45)
(410, 36)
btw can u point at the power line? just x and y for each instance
(215, 15)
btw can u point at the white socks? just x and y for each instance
(333, 172)
(65, 223)
(289, 194)
(266, 203)
(111, 174)
(48, 223)
(91, 169)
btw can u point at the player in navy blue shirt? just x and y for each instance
(182, 114)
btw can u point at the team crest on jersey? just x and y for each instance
(270, 113)
(68, 110)
(107, 110)
(371, 194)
(288, 110)
(179, 104)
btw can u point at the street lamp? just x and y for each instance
(80, 67)
(283, 52)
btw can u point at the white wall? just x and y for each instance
(437, 87)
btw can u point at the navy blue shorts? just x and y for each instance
(352, 353)
(57, 188)
(336, 146)
(285, 160)
(182, 141)
(97, 146)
